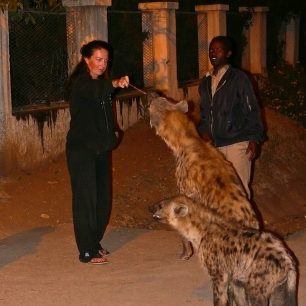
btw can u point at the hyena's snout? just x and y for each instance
(154, 210)
(157, 211)
(157, 217)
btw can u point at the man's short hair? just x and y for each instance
(226, 41)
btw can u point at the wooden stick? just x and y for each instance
(138, 89)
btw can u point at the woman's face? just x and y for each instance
(97, 63)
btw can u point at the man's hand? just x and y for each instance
(252, 150)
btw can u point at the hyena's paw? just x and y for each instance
(187, 250)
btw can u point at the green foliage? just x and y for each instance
(16, 5)
(285, 91)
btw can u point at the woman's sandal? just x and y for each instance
(104, 252)
(98, 260)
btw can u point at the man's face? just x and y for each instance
(218, 54)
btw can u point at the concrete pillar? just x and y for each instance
(211, 23)
(163, 45)
(256, 50)
(5, 94)
(292, 33)
(86, 20)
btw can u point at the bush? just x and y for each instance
(285, 91)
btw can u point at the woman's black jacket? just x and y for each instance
(91, 124)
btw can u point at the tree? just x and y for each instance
(16, 5)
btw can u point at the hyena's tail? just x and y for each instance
(291, 296)
(285, 293)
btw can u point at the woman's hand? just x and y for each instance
(122, 82)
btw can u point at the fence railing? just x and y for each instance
(39, 60)
(38, 53)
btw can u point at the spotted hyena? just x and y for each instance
(202, 172)
(248, 267)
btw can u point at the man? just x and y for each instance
(230, 114)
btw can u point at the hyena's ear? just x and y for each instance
(182, 106)
(180, 210)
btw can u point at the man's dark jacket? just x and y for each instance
(233, 114)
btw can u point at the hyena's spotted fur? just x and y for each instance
(248, 267)
(202, 172)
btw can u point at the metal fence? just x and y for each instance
(39, 60)
(148, 64)
(38, 57)
(130, 34)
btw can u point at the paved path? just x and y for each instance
(40, 268)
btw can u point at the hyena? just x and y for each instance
(248, 267)
(202, 172)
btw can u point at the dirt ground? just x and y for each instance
(143, 173)
(143, 169)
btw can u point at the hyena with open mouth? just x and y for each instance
(202, 172)
(248, 267)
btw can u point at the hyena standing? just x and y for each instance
(248, 267)
(202, 172)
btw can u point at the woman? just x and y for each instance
(90, 139)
